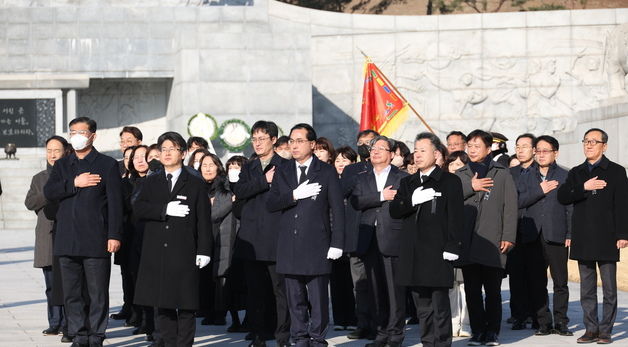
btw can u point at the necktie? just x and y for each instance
(424, 178)
(303, 177)
(169, 177)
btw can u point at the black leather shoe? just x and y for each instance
(283, 343)
(138, 331)
(588, 337)
(604, 339)
(358, 333)
(518, 324)
(562, 330)
(76, 344)
(95, 344)
(413, 321)
(491, 339)
(543, 331)
(66, 338)
(258, 343)
(119, 316)
(50, 331)
(250, 336)
(393, 344)
(476, 340)
(376, 344)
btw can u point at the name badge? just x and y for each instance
(182, 197)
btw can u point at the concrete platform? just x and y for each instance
(23, 311)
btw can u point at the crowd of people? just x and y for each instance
(393, 236)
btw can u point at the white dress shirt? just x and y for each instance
(175, 175)
(307, 165)
(380, 181)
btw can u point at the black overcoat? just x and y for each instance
(366, 199)
(599, 219)
(87, 217)
(429, 229)
(257, 236)
(168, 276)
(305, 231)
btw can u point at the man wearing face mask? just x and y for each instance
(363, 297)
(88, 187)
(283, 148)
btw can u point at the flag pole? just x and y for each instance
(400, 95)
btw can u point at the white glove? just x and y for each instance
(420, 196)
(174, 209)
(305, 190)
(450, 256)
(202, 261)
(334, 253)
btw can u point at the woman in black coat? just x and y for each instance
(224, 233)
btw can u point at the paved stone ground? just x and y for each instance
(23, 310)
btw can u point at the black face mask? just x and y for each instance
(364, 152)
(155, 165)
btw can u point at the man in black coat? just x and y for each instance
(177, 242)
(431, 205)
(379, 241)
(307, 192)
(256, 242)
(89, 228)
(366, 327)
(598, 190)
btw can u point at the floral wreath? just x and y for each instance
(234, 147)
(208, 116)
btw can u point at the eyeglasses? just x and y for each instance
(259, 139)
(591, 142)
(544, 151)
(168, 150)
(80, 132)
(381, 149)
(297, 141)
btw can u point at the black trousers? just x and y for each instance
(128, 292)
(309, 309)
(434, 313)
(588, 295)
(364, 302)
(527, 274)
(265, 287)
(177, 327)
(485, 315)
(390, 299)
(556, 256)
(56, 319)
(341, 290)
(94, 273)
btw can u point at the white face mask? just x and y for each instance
(494, 146)
(196, 165)
(79, 142)
(234, 175)
(397, 161)
(285, 154)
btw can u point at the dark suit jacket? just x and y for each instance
(540, 213)
(599, 219)
(257, 237)
(429, 229)
(305, 231)
(168, 276)
(366, 199)
(87, 217)
(348, 181)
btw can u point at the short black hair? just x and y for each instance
(67, 148)
(282, 140)
(549, 139)
(175, 138)
(527, 135)
(403, 148)
(198, 150)
(604, 134)
(486, 137)
(453, 156)
(239, 160)
(268, 127)
(311, 133)
(365, 133)
(457, 133)
(199, 141)
(436, 143)
(135, 131)
(92, 126)
(346, 152)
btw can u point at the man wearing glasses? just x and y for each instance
(88, 187)
(542, 238)
(175, 206)
(379, 241)
(598, 190)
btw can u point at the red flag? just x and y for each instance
(382, 109)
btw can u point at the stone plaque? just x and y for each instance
(26, 122)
